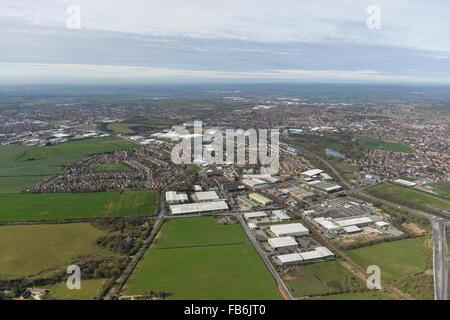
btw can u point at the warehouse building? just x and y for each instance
(291, 229)
(283, 243)
(281, 215)
(311, 173)
(360, 222)
(173, 196)
(198, 207)
(352, 229)
(255, 215)
(327, 224)
(260, 199)
(206, 196)
(328, 187)
(405, 183)
(319, 253)
(301, 193)
(247, 202)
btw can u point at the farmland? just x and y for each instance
(16, 176)
(55, 206)
(321, 279)
(412, 197)
(30, 249)
(194, 258)
(396, 259)
(77, 148)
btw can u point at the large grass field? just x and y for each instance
(30, 249)
(88, 290)
(77, 148)
(375, 143)
(16, 176)
(396, 259)
(392, 191)
(194, 258)
(443, 188)
(321, 278)
(55, 206)
(112, 167)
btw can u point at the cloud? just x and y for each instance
(82, 74)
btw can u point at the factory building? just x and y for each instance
(328, 224)
(351, 229)
(360, 222)
(206, 196)
(255, 215)
(218, 205)
(291, 229)
(281, 215)
(260, 199)
(173, 197)
(283, 243)
(318, 253)
(328, 187)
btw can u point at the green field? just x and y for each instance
(396, 259)
(30, 249)
(88, 290)
(321, 278)
(77, 148)
(395, 192)
(112, 167)
(194, 258)
(375, 143)
(16, 176)
(55, 206)
(443, 188)
(366, 295)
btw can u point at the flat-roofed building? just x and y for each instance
(290, 229)
(352, 229)
(318, 253)
(206, 196)
(312, 172)
(281, 215)
(328, 224)
(255, 215)
(328, 187)
(405, 183)
(218, 205)
(360, 221)
(173, 196)
(302, 193)
(260, 199)
(289, 258)
(283, 243)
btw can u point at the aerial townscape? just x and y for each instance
(94, 184)
(224, 159)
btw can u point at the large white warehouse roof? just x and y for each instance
(207, 195)
(198, 207)
(290, 229)
(172, 196)
(353, 221)
(283, 242)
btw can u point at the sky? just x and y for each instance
(185, 41)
